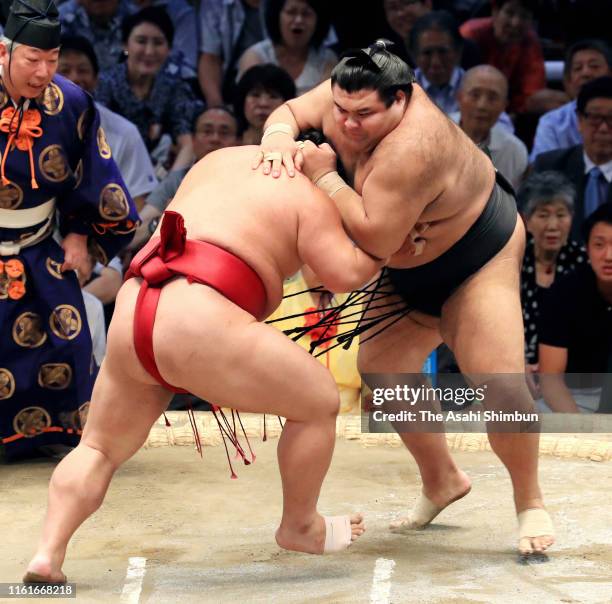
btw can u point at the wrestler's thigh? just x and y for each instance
(223, 355)
(482, 321)
(125, 402)
(401, 345)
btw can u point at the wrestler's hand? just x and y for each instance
(281, 150)
(318, 160)
(76, 255)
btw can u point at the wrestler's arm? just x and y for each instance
(556, 394)
(324, 246)
(381, 219)
(298, 115)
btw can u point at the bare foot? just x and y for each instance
(40, 570)
(535, 529)
(431, 502)
(311, 538)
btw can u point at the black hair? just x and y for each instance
(602, 214)
(203, 109)
(314, 136)
(272, 11)
(151, 14)
(600, 46)
(530, 5)
(80, 44)
(438, 20)
(374, 68)
(268, 77)
(597, 88)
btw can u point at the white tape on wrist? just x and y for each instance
(330, 183)
(278, 127)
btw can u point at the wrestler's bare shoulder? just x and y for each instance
(225, 202)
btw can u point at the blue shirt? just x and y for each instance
(557, 129)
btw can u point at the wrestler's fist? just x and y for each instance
(76, 255)
(318, 160)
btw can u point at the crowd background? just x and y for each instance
(529, 81)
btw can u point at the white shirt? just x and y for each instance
(129, 152)
(606, 169)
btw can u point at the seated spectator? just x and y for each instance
(401, 16)
(104, 284)
(508, 42)
(575, 329)
(78, 63)
(296, 30)
(183, 59)
(214, 128)
(228, 28)
(140, 90)
(260, 91)
(558, 129)
(546, 202)
(482, 97)
(100, 22)
(588, 166)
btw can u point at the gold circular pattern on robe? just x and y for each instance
(79, 418)
(81, 124)
(4, 283)
(11, 196)
(78, 174)
(114, 205)
(52, 99)
(55, 376)
(65, 322)
(103, 146)
(53, 164)
(28, 330)
(31, 421)
(55, 268)
(7, 383)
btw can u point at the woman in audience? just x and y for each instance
(260, 90)
(296, 30)
(160, 104)
(546, 200)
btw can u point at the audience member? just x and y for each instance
(228, 28)
(546, 202)
(78, 63)
(140, 90)
(183, 59)
(296, 31)
(588, 166)
(482, 97)
(507, 41)
(261, 89)
(558, 129)
(100, 22)
(575, 329)
(214, 128)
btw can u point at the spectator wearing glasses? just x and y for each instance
(558, 129)
(588, 166)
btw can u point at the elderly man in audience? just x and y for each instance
(100, 22)
(558, 129)
(482, 97)
(575, 329)
(546, 202)
(588, 166)
(508, 42)
(214, 128)
(78, 63)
